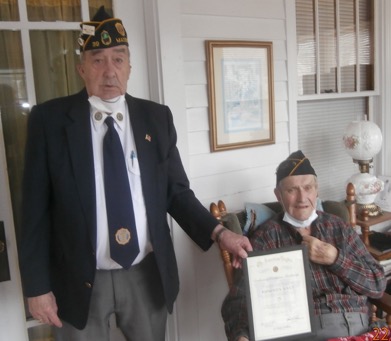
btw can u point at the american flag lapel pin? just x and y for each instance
(148, 137)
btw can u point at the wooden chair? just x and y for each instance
(381, 307)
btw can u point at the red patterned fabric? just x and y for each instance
(377, 334)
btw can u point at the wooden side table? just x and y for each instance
(365, 225)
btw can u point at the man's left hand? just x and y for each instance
(319, 251)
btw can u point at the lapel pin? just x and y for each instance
(98, 115)
(120, 117)
(148, 137)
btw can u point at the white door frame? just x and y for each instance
(12, 314)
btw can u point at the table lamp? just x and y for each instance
(362, 141)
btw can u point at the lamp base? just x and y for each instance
(372, 210)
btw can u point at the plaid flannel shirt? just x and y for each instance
(341, 287)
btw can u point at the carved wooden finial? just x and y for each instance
(222, 208)
(351, 203)
(350, 192)
(364, 214)
(214, 210)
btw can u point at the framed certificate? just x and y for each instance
(279, 295)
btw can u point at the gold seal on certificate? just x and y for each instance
(123, 236)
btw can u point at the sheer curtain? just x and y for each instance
(9, 10)
(13, 117)
(55, 53)
(54, 60)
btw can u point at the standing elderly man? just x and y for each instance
(102, 171)
(344, 274)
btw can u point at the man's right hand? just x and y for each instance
(44, 309)
(242, 338)
(234, 243)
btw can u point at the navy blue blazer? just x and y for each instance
(58, 238)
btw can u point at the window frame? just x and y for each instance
(24, 26)
(358, 93)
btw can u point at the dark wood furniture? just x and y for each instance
(365, 222)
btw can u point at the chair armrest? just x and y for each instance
(383, 303)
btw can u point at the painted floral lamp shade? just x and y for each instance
(362, 141)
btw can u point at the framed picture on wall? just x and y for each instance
(240, 91)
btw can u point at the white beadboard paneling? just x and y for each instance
(233, 182)
(199, 142)
(282, 132)
(280, 111)
(279, 50)
(196, 96)
(211, 279)
(211, 27)
(280, 91)
(203, 165)
(235, 201)
(194, 49)
(195, 73)
(280, 72)
(234, 8)
(197, 119)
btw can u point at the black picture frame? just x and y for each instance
(279, 294)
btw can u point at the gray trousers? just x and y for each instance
(134, 296)
(337, 325)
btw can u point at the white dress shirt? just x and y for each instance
(99, 111)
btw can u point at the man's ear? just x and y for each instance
(80, 69)
(277, 193)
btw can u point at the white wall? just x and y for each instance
(242, 174)
(234, 176)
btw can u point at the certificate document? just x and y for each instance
(279, 295)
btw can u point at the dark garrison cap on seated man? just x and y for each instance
(101, 32)
(294, 164)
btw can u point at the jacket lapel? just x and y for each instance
(145, 139)
(81, 152)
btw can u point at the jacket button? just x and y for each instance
(88, 285)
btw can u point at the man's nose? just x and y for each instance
(301, 194)
(109, 69)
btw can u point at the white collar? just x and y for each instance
(300, 223)
(108, 106)
(100, 109)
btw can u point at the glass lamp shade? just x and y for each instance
(367, 186)
(362, 140)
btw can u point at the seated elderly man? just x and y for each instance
(344, 274)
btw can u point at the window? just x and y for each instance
(335, 44)
(38, 56)
(321, 125)
(335, 66)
